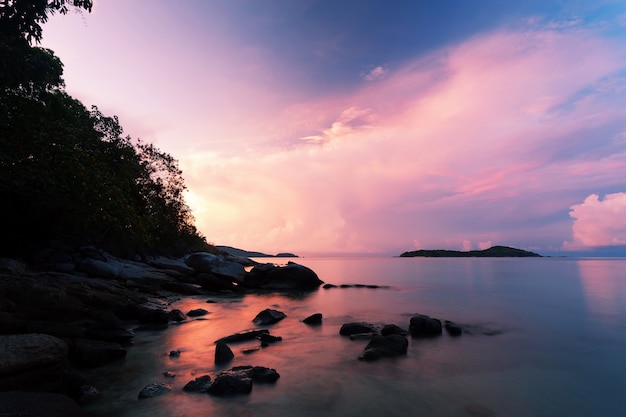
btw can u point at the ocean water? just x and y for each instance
(549, 340)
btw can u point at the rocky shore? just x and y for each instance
(80, 308)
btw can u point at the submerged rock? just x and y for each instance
(348, 329)
(198, 312)
(452, 328)
(393, 329)
(242, 336)
(424, 326)
(154, 390)
(385, 346)
(200, 384)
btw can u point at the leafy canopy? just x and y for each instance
(67, 173)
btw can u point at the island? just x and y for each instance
(251, 254)
(492, 252)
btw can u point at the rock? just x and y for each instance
(92, 353)
(393, 329)
(238, 380)
(424, 326)
(143, 314)
(203, 261)
(452, 328)
(313, 319)
(37, 404)
(176, 315)
(223, 354)
(362, 336)
(385, 346)
(232, 270)
(174, 353)
(212, 282)
(198, 312)
(169, 374)
(171, 264)
(12, 266)
(242, 336)
(289, 277)
(31, 362)
(327, 286)
(86, 394)
(230, 384)
(200, 384)
(182, 288)
(268, 316)
(154, 390)
(98, 268)
(268, 338)
(23, 352)
(348, 329)
(109, 333)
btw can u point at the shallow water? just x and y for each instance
(558, 347)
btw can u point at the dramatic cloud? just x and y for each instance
(599, 222)
(472, 145)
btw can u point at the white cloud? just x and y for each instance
(375, 73)
(599, 222)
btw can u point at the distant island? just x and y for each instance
(493, 252)
(251, 254)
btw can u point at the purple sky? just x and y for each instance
(372, 127)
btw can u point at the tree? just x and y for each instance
(23, 18)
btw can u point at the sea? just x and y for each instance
(545, 337)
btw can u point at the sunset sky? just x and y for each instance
(339, 127)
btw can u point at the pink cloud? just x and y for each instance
(476, 143)
(599, 222)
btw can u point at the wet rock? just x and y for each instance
(452, 328)
(176, 315)
(230, 384)
(169, 374)
(216, 283)
(393, 329)
(154, 390)
(289, 277)
(328, 286)
(348, 329)
(268, 316)
(86, 394)
(238, 380)
(266, 339)
(362, 336)
(424, 326)
(174, 353)
(385, 346)
(92, 353)
(37, 404)
(313, 319)
(200, 384)
(242, 336)
(223, 354)
(198, 312)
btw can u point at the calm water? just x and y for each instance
(561, 350)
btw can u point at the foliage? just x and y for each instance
(68, 173)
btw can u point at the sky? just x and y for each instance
(366, 127)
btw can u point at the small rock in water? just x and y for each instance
(313, 319)
(268, 316)
(452, 328)
(200, 384)
(356, 327)
(174, 353)
(169, 374)
(223, 354)
(154, 390)
(198, 312)
(176, 315)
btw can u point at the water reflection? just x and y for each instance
(604, 286)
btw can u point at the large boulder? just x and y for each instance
(230, 270)
(424, 326)
(288, 277)
(31, 362)
(385, 346)
(238, 380)
(203, 261)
